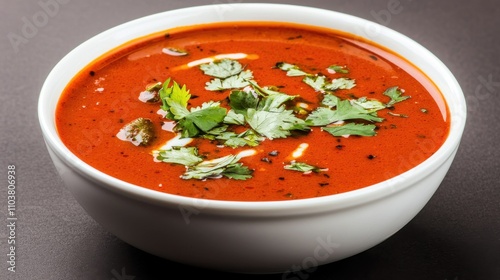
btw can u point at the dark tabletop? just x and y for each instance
(455, 237)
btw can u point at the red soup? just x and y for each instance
(252, 112)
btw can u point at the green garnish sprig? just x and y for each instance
(197, 168)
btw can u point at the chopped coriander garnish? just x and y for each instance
(303, 167)
(187, 156)
(317, 82)
(340, 83)
(338, 69)
(222, 69)
(247, 138)
(192, 122)
(265, 111)
(351, 129)
(232, 82)
(396, 96)
(344, 111)
(292, 70)
(227, 166)
(261, 112)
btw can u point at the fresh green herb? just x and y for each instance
(187, 156)
(340, 83)
(232, 82)
(174, 99)
(227, 73)
(351, 129)
(222, 69)
(291, 70)
(330, 100)
(227, 166)
(317, 82)
(265, 111)
(192, 122)
(396, 95)
(344, 111)
(201, 119)
(370, 105)
(338, 69)
(303, 167)
(275, 124)
(247, 138)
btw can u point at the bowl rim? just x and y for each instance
(308, 205)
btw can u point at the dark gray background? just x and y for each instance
(455, 237)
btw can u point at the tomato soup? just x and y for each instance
(252, 111)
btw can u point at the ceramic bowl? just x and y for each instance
(251, 237)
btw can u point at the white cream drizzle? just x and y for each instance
(299, 151)
(215, 58)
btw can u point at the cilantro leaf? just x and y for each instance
(247, 138)
(330, 100)
(303, 167)
(274, 124)
(187, 156)
(338, 69)
(227, 166)
(190, 122)
(265, 113)
(274, 102)
(317, 82)
(344, 111)
(240, 101)
(351, 129)
(292, 70)
(234, 118)
(370, 105)
(340, 83)
(395, 94)
(201, 119)
(232, 82)
(222, 69)
(237, 172)
(174, 96)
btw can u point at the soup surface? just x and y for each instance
(252, 112)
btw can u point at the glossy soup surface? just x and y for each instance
(104, 97)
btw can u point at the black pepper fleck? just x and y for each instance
(265, 159)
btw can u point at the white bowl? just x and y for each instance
(251, 237)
